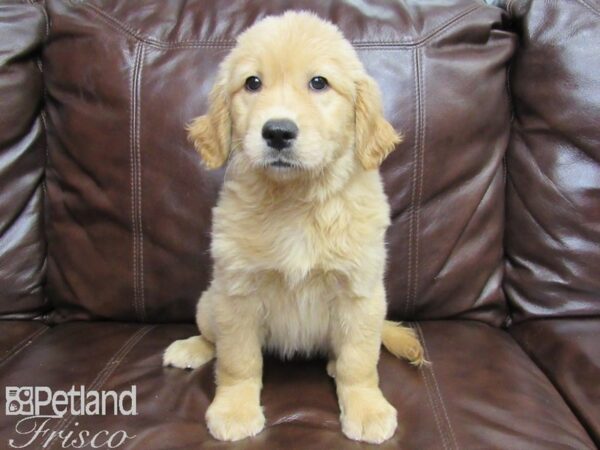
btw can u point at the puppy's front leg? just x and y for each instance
(365, 414)
(235, 412)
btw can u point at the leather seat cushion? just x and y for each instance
(567, 351)
(481, 391)
(18, 335)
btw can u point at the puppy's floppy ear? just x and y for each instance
(375, 137)
(211, 133)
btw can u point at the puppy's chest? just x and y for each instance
(297, 246)
(297, 320)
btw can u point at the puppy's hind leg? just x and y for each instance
(402, 342)
(189, 353)
(195, 351)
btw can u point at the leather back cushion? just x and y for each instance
(553, 209)
(131, 205)
(22, 160)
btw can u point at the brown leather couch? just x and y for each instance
(494, 250)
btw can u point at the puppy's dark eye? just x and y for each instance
(318, 83)
(253, 84)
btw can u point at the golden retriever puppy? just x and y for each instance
(298, 230)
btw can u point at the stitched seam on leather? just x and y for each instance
(442, 403)
(103, 375)
(142, 295)
(416, 187)
(413, 181)
(124, 28)
(131, 181)
(23, 343)
(448, 25)
(45, 13)
(45, 125)
(38, 62)
(101, 378)
(590, 7)
(134, 169)
(40, 66)
(46, 162)
(428, 389)
(422, 121)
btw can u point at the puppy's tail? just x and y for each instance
(402, 342)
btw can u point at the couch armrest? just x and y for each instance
(22, 160)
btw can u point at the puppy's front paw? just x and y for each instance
(189, 353)
(232, 421)
(368, 417)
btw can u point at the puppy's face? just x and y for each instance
(292, 99)
(291, 108)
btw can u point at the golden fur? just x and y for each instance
(299, 253)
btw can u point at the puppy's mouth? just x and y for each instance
(282, 164)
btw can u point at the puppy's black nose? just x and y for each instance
(279, 133)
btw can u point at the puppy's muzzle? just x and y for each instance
(279, 133)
